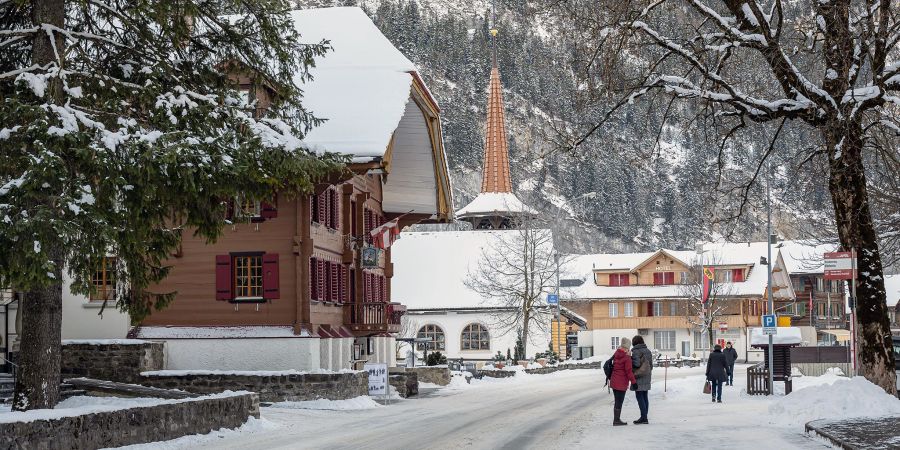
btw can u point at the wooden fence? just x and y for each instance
(758, 380)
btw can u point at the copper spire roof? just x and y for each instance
(496, 148)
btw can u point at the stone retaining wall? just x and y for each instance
(406, 383)
(133, 425)
(540, 371)
(114, 360)
(271, 388)
(439, 375)
(497, 373)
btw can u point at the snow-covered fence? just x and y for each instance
(162, 420)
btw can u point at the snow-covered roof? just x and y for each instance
(494, 203)
(430, 268)
(892, 286)
(361, 86)
(785, 335)
(712, 254)
(804, 256)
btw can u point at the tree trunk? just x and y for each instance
(847, 183)
(37, 378)
(526, 318)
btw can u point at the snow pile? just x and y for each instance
(592, 359)
(81, 405)
(841, 398)
(458, 382)
(353, 404)
(251, 373)
(252, 426)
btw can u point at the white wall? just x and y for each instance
(601, 341)
(80, 319)
(244, 353)
(453, 323)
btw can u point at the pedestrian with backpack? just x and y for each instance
(622, 374)
(642, 362)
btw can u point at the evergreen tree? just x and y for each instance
(122, 125)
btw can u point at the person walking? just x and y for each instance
(622, 375)
(717, 372)
(642, 362)
(730, 357)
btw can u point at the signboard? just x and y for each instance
(770, 324)
(369, 256)
(723, 326)
(378, 378)
(552, 299)
(839, 266)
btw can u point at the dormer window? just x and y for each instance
(619, 279)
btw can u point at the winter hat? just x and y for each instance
(625, 343)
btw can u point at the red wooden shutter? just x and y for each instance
(657, 278)
(335, 280)
(270, 276)
(320, 269)
(737, 275)
(223, 278)
(322, 206)
(367, 292)
(613, 279)
(649, 309)
(669, 277)
(313, 280)
(383, 291)
(333, 209)
(268, 210)
(342, 283)
(624, 279)
(229, 210)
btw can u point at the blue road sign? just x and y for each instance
(552, 299)
(768, 321)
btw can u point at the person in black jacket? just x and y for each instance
(730, 357)
(717, 372)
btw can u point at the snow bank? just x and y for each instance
(105, 342)
(80, 405)
(354, 404)
(251, 373)
(833, 397)
(252, 426)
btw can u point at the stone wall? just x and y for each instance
(497, 373)
(133, 425)
(406, 383)
(114, 360)
(271, 388)
(439, 375)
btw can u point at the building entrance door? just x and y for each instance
(685, 348)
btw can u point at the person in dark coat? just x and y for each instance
(642, 362)
(622, 374)
(717, 372)
(730, 357)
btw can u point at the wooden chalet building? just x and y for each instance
(285, 286)
(647, 294)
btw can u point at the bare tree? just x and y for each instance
(703, 316)
(764, 69)
(513, 274)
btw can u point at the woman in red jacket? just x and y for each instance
(622, 374)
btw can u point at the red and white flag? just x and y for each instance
(385, 235)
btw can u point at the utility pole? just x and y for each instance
(559, 343)
(771, 362)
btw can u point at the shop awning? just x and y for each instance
(839, 335)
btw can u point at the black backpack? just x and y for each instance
(608, 369)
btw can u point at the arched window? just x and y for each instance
(475, 337)
(436, 336)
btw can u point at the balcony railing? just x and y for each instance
(733, 321)
(375, 317)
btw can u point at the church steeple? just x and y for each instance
(496, 205)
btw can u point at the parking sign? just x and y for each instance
(552, 299)
(770, 324)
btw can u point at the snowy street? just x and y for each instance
(568, 408)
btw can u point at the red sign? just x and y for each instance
(839, 266)
(723, 326)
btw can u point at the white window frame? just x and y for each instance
(657, 308)
(685, 278)
(629, 309)
(664, 335)
(701, 341)
(613, 309)
(614, 342)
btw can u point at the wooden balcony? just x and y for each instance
(599, 323)
(374, 317)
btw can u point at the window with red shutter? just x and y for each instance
(333, 210)
(322, 202)
(271, 289)
(335, 280)
(313, 280)
(737, 275)
(649, 309)
(367, 289)
(321, 284)
(657, 278)
(269, 210)
(342, 283)
(223, 278)
(624, 279)
(613, 279)
(669, 278)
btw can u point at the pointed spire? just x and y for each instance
(496, 148)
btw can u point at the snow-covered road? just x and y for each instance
(569, 408)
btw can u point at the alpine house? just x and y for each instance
(300, 283)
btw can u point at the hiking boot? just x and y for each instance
(617, 422)
(641, 421)
(719, 400)
(714, 400)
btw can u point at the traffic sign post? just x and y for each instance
(552, 299)
(842, 266)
